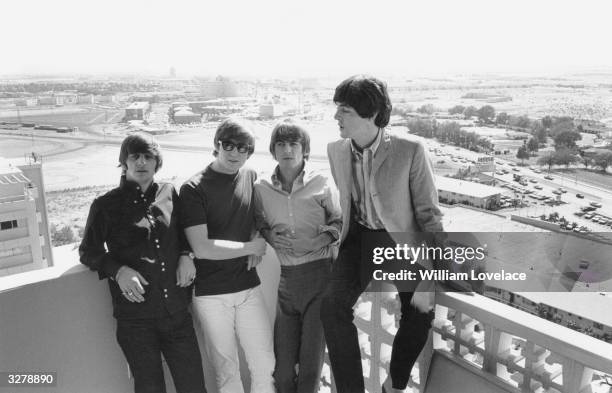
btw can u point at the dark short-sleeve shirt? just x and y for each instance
(141, 230)
(224, 203)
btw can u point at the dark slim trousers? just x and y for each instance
(346, 284)
(143, 341)
(298, 333)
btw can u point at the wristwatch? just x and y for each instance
(189, 254)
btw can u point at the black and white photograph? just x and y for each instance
(305, 197)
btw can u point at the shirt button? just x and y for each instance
(163, 269)
(157, 246)
(135, 201)
(165, 290)
(166, 296)
(156, 240)
(163, 264)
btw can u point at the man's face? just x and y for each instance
(140, 168)
(350, 123)
(289, 154)
(232, 155)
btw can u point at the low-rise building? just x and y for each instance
(66, 98)
(184, 116)
(137, 111)
(453, 191)
(86, 99)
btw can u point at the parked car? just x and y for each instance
(549, 177)
(538, 187)
(580, 196)
(533, 180)
(595, 204)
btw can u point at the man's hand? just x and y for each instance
(278, 239)
(253, 260)
(298, 247)
(186, 271)
(131, 284)
(258, 246)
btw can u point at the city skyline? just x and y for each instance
(319, 39)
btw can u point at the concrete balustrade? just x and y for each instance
(60, 320)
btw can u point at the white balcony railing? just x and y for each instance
(63, 323)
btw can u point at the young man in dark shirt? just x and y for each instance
(132, 237)
(218, 217)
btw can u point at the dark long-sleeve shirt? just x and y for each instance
(140, 230)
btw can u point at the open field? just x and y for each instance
(592, 176)
(84, 118)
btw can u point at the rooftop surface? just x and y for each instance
(466, 187)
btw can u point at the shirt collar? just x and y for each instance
(373, 147)
(132, 188)
(299, 180)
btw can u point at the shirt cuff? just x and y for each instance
(110, 268)
(333, 231)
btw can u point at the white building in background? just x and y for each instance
(470, 193)
(25, 243)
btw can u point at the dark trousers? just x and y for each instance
(143, 341)
(298, 333)
(346, 285)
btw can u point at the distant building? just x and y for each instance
(137, 111)
(453, 191)
(567, 309)
(25, 243)
(86, 99)
(185, 116)
(46, 100)
(66, 98)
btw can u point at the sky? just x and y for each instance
(304, 38)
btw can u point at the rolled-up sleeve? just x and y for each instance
(333, 213)
(92, 251)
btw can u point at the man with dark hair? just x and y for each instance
(132, 237)
(386, 185)
(218, 216)
(299, 215)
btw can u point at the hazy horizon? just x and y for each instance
(275, 38)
